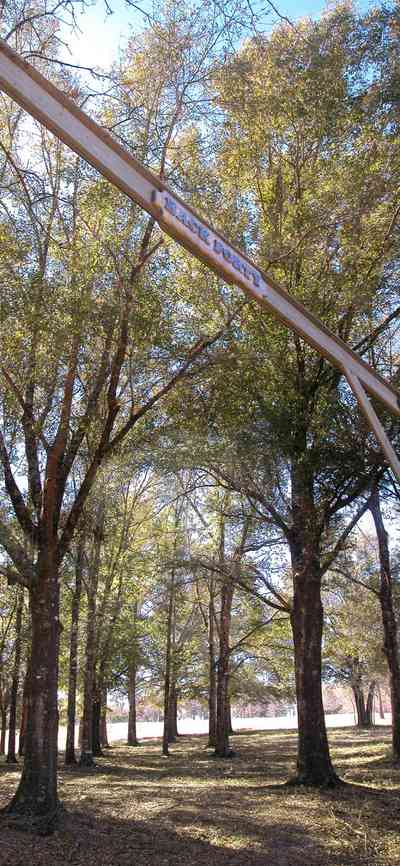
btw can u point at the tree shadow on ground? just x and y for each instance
(87, 839)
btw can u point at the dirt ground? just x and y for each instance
(193, 810)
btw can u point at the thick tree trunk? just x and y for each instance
(359, 701)
(70, 757)
(391, 642)
(212, 685)
(12, 724)
(314, 765)
(35, 802)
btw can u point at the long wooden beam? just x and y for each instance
(59, 114)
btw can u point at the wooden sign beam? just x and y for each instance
(59, 114)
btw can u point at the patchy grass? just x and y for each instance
(193, 810)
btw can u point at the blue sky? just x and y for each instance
(102, 34)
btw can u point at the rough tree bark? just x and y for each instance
(222, 747)
(35, 800)
(314, 766)
(70, 757)
(391, 642)
(173, 710)
(12, 723)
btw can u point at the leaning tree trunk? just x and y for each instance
(212, 684)
(12, 723)
(391, 643)
(70, 757)
(314, 765)
(35, 803)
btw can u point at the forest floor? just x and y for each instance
(190, 809)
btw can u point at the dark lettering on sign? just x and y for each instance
(205, 235)
(187, 220)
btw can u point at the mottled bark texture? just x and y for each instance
(391, 642)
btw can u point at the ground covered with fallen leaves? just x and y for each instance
(193, 810)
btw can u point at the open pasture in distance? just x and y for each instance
(193, 810)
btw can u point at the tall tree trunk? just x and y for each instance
(70, 757)
(3, 730)
(12, 724)
(212, 685)
(132, 675)
(96, 721)
(391, 642)
(132, 732)
(314, 765)
(173, 712)
(381, 710)
(222, 747)
(359, 701)
(24, 712)
(103, 720)
(229, 714)
(35, 801)
(86, 756)
(369, 709)
(168, 660)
